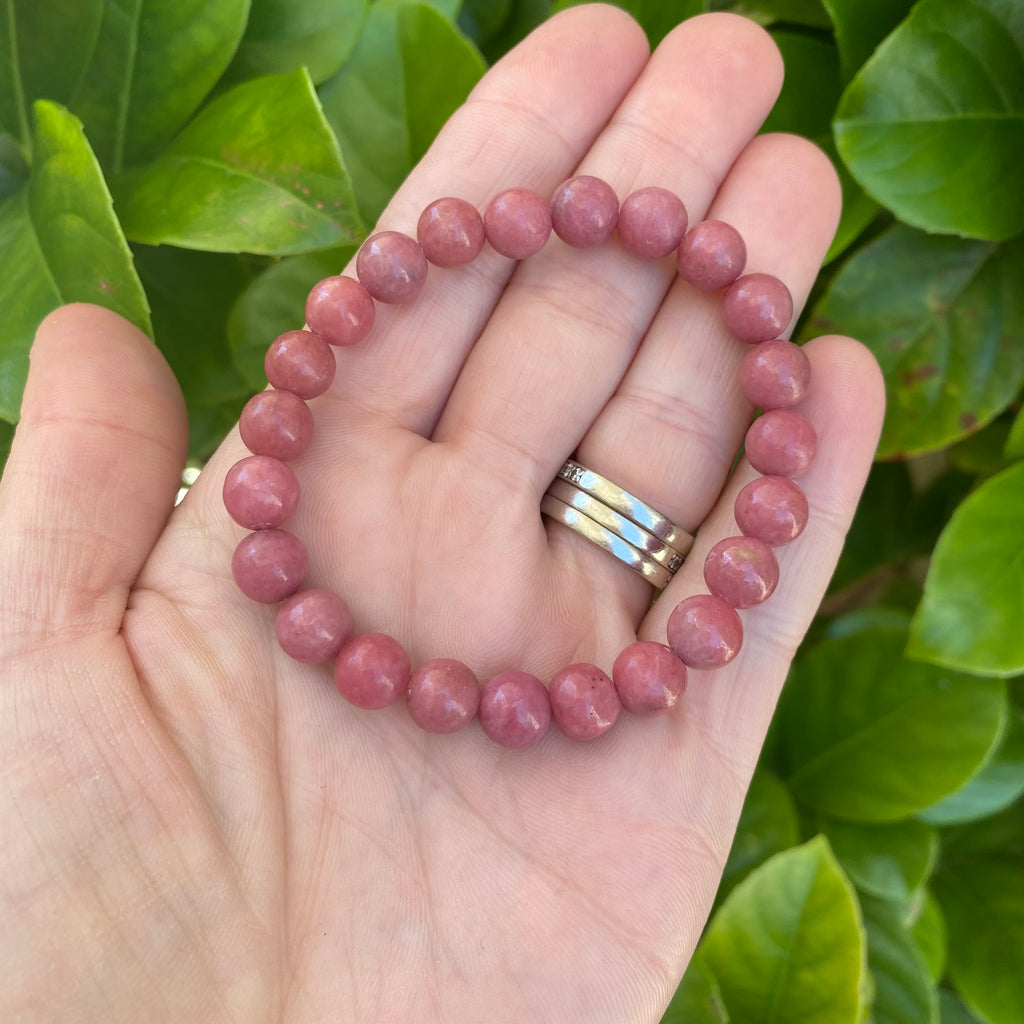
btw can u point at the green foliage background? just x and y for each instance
(197, 164)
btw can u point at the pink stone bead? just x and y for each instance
(514, 709)
(781, 443)
(650, 679)
(584, 702)
(313, 625)
(757, 307)
(652, 222)
(584, 211)
(372, 671)
(711, 256)
(269, 566)
(450, 232)
(301, 362)
(742, 571)
(276, 423)
(517, 223)
(775, 374)
(704, 631)
(260, 492)
(340, 310)
(443, 695)
(391, 267)
(771, 508)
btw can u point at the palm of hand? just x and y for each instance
(229, 840)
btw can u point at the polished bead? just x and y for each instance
(584, 211)
(301, 362)
(313, 625)
(649, 678)
(652, 222)
(704, 631)
(584, 702)
(450, 232)
(443, 696)
(757, 307)
(515, 710)
(711, 255)
(269, 565)
(517, 223)
(781, 443)
(391, 267)
(742, 571)
(340, 310)
(771, 508)
(775, 374)
(276, 423)
(372, 671)
(260, 492)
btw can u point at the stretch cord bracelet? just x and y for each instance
(704, 631)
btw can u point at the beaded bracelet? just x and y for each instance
(515, 708)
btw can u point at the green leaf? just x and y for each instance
(945, 319)
(867, 735)
(258, 171)
(658, 17)
(953, 1011)
(981, 453)
(860, 25)
(388, 102)
(787, 945)
(983, 901)
(59, 242)
(904, 991)
(933, 125)
(481, 20)
(1015, 442)
(274, 303)
(14, 171)
(1002, 835)
(994, 788)
(283, 35)
(6, 437)
(887, 861)
(44, 51)
(970, 617)
(929, 931)
(799, 12)
(698, 999)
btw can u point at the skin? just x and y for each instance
(193, 827)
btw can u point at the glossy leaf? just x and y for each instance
(283, 35)
(59, 242)
(388, 102)
(933, 125)
(152, 64)
(860, 25)
(866, 735)
(698, 999)
(945, 319)
(787, 945)
(904, 991)
(658, 17)
(800, 12)
(258, 171)
(929, 931)
(970, 617)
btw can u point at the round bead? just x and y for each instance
(584, 702)
(391, 267)
(704, 631)
(514, 709)
(313, 625)
(260, 492)
(711, 256)
(443, 695)
(269, 566)
(372, 671)
(450, 232)
(742, 571)
(781, 443)
(652, 222)
(584, 211)
(340, 310)
(517, 223)
(649, 678)
(775, 374)
(757, 307)
(276, 423)
(772, 509)
(301, 362)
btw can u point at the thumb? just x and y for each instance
(94, 467)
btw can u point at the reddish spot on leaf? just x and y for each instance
(968, 421)
(917, 374)
(106, 287)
